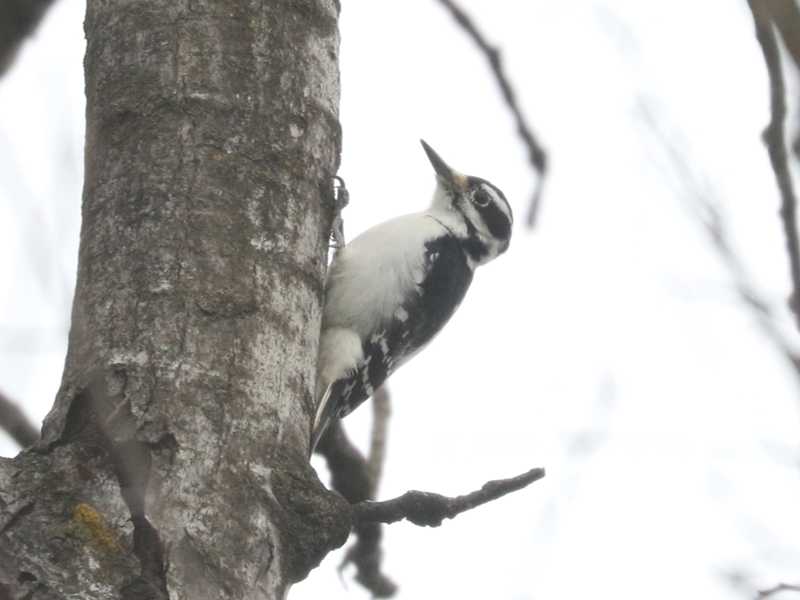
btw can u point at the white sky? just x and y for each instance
(607, 346)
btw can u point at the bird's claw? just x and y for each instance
(337, 232)
(341, 198)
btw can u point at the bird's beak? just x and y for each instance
(451, 178)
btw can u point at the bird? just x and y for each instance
(391, 289)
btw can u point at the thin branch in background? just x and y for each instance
(786, 19)
(781, 587)
(357, 478)
(775, 140)
(350, 476)
(537, 156)
(702, 199)
(381, 411)
(14, 422)
(428, 509)
(785, 15)
(18, 19)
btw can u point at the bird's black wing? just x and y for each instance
(446, 276)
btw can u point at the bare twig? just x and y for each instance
(536, 153)
(349, 473)
(16, 423)
(786, 19)
(428, 509)
(785, 15)
(775, 140)
(18, 19)
(701, 198)
(381, 411)
(350, 476)
(777, 589)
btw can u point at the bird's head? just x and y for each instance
(478, 206)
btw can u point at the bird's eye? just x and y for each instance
(481, 197)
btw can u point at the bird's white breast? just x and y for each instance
(371, 276)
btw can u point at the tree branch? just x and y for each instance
(775, 140)
(537, 157)
(785, 15)
(349, 473)
(777, 589)
(352, 478)
(18, 19)
(381, 411)
(428, 509)
(16, 423)
(702, 199)
(786, 18)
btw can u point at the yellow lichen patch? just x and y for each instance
(95, 528)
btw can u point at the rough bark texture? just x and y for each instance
(174, 462)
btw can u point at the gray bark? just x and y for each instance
(174, 462)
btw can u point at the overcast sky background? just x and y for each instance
(608, 345)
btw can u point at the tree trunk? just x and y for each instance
(174, 462)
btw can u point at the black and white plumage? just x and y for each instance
(392, 289)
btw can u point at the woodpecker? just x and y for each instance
(392, 289)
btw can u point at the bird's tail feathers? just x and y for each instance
(322, 419)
